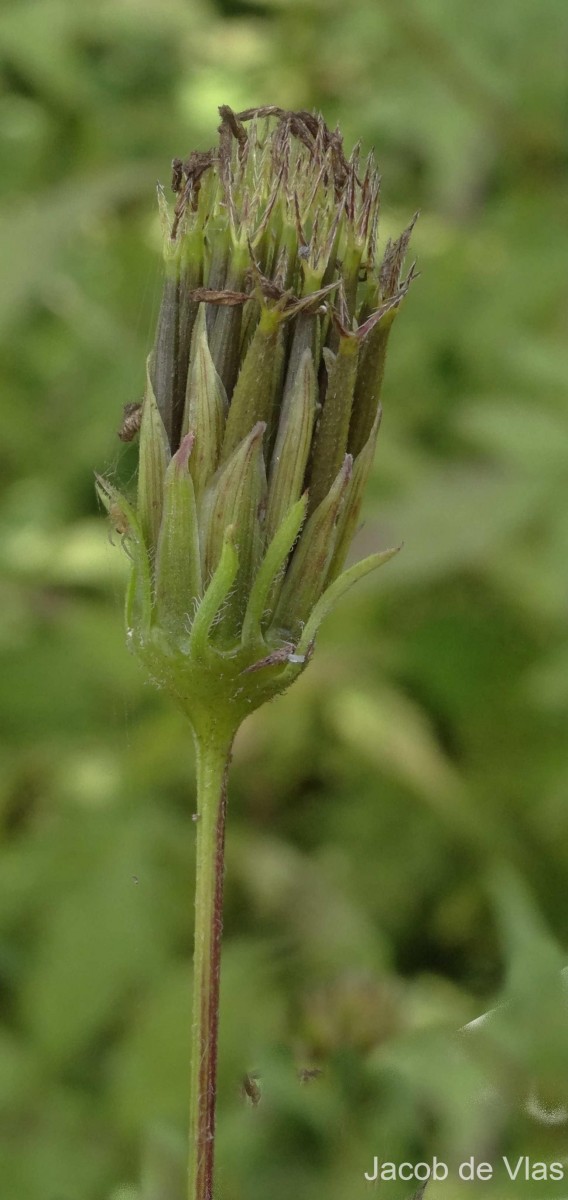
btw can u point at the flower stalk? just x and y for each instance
(257, 436)
(213, 755)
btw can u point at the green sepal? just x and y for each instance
(285, 248)
(225, 334)
(190, 278)
(178, 567)
(270, 568)
(126, 523)
(306, 335)
(303, 341)
(334, 593)
(292, 448)
(249, 322)
(351, 264)
(217, 247)
(235, 497)
(214, 597)
(205, 407)
(154, 455)
(307, 573)
(254, 391)
(164, 358)
(277, 389)
(330, 441)
(374, 333)
(393, 259)
(347, 524)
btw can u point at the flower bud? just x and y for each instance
(261, 410)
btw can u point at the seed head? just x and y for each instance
(261, 409)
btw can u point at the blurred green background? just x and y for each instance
(398, 835)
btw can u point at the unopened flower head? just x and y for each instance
(261, 409)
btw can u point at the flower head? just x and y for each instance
(261, 410)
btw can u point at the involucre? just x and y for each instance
(261, 410)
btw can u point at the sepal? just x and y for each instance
(163, 361)
(254, 390)
(308, 569)
(214, 597)
(292, 448)
(153, 459)
(125, 522)
(347, 524)
(205, 407)
(375, 332)
(178, 568)
(330, 441)
(334, 593)
(236, 496)
(270, 569)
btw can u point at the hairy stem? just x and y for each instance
(213, 754)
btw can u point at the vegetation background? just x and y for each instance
(398, 832)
